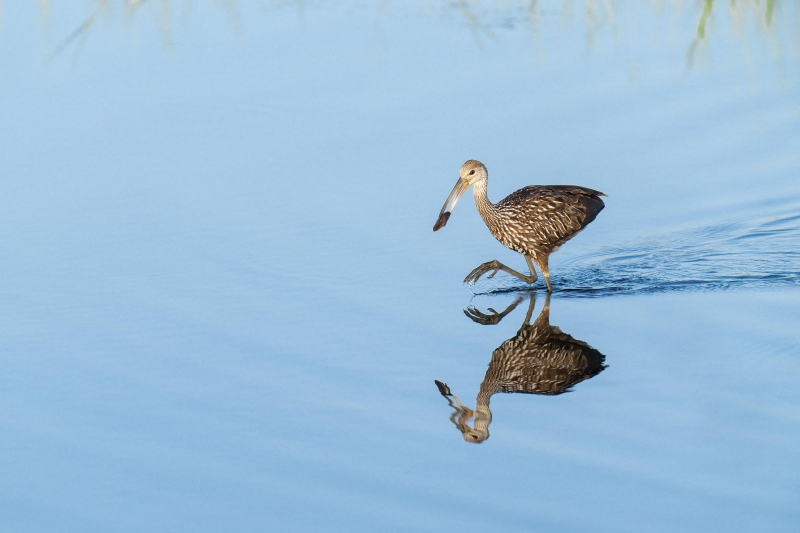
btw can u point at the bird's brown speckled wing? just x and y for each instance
(546, 216)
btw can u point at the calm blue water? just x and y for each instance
(224, 309)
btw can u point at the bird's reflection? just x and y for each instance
(539, 359)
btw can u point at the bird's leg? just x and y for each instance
(530, 267)
(494, 266)
(541, 262)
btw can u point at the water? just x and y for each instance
(224, 307)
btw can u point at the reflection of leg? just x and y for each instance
(541, 262)
(531, 305)
(543, 321)
(494, 266)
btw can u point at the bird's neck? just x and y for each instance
(486, 208)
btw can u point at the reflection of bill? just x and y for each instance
(539, 359)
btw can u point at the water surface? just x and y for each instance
(224, 307)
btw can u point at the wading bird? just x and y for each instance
(534, 221)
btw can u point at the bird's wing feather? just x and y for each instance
(552, 213)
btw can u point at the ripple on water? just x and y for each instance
(762, 251)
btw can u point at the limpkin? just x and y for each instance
(534, 221)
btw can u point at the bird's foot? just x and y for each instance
(490, 266)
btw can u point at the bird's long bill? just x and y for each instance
(461, 186)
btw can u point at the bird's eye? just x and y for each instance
(471, 172)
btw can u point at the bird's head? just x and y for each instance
(471, 172)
